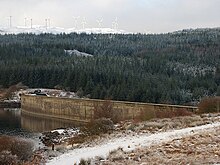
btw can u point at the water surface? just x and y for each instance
(15, 123)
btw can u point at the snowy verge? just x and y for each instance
(128, 143)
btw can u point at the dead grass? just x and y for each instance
(173, 113)
(168, 113)
(199, 149)
(164, 124)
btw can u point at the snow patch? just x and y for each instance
(77, 53)
(60, 131)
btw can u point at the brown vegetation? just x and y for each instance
(151, 114)
(209, 105)
(172, 113)
(91, 130)
(106, 110)
(14, 150)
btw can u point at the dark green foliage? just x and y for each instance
(175, 68)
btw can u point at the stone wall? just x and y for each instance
(83, 109)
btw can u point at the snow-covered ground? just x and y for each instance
(128, 143)
(39, 29)
(48, 92)
(77, 53)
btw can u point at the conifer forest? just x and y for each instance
(177, 68)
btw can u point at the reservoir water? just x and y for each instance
(14, 123)
(10, 124)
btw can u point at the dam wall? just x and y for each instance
(84, 110)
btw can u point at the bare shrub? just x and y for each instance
(18, 148)
(22, 148)
(106, 110)
(209, 105)
(92, 130)
(99, 126)
(7, 158)
(85, 162)
(80, 138)
(36, 159)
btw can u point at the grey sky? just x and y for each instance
(133, 15)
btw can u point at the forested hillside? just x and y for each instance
(177, 68)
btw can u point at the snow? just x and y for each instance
(77, 53)
(39, 29)
(127, 143)
(60, 131)
(48, 92)
(66, 131)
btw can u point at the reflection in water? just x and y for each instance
(10, 124)
(10, 121)
(42, 124)
(14, 122)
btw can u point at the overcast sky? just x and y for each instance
(154, 16)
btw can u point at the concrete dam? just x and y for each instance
(84, 110)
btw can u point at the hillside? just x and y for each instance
(178, 68)
(180, 140)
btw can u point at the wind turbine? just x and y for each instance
(10, 21)
(25, 22)
(31, 23)
(99, 21)
(75, 21)
(115, 24)
(84, 23)
(46, 23)
(146, 31)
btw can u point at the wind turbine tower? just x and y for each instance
(99, 21)
(115, 24)
(75, 21)
(25, 22)
(84, 23)
(46, 23)
(10, 21)
(31, 23)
